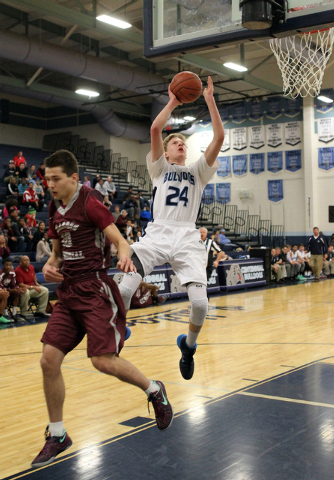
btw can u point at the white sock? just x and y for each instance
(5, 311)
(152, 388)
(191, 339)
(14, 310)
(56, 429)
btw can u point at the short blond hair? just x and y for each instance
(171, 136)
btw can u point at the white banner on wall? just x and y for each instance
(226, 144)
(239, 136)
(274, 134)
(256, 136)
(204, 139)
(293, 133)
(326, 129)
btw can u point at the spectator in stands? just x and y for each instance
(136, 222)
(276, 267)
(21, 172)
(4, 249)
(12, 190)
(38, 189)
(28, 238)
(26, 279)
(8, 282)
(43, 250)
(15, 241)
(86, 181)
(9, 172)
(100, 187)
(107, 202)
(211, 249)
(95, 180)
(129, 234)
(329, 261)
(145, 215)
(19, 159)
(14, 215)
(122, 219)
(223, 240)
(31, 220)
(22, 188)
(331, 241)
(304, 260)
(38, 235)
(116, 212)
(110, 187)
(10, 206)
(41, 175)
(3, 305)
(131, 206)
(293, 263)
(32, 174)
(143, 202)
(282, 254)
(318, 248)
(30, 198)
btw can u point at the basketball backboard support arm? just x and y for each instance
(166, 34)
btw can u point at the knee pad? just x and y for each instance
(199, 303)
(128, 286)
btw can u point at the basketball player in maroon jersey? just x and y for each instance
(89, 302)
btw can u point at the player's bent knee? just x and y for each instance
(105, 364)
(199, 303)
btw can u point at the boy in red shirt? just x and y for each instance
(8, 283)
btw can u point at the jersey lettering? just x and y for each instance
(178, 177)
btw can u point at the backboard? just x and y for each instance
(176, 26)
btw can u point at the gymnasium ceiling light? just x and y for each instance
(113, 21)
(322, 98)
(189, 119)
(234, 66)
(88, 93)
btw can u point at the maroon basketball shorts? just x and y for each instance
(89, 305)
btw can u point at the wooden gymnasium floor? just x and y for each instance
(260, 405)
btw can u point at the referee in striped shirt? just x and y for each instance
(211, 247)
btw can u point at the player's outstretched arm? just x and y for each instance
(52, 266)
(125, 263)
(212, 152)
(157, 146)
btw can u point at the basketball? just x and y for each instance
(186, 86)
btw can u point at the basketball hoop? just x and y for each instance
(302, 60)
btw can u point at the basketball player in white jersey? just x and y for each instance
(171, 236)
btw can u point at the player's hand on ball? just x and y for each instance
(51, 274)
(208, 91)
(173, 97)
(125, 264)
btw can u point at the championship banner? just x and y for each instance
(239, 138)
(275, 190)
(224, 169)
(293, 160)
(208, 195)
(223, 192)
(256, 136)
(239, 113)
(292, 107)
(274, 135)
(205, 139)
(275, 162)
(274, 107)
(239, 165)
(326, 158)
(255, 110)
(326, 129)
(293, 133)
(223, 112)
(226, 144)
(256, 163)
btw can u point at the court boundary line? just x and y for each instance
(243, 390)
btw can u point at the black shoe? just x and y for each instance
(187, 363)
(19, 318)
(41, 315)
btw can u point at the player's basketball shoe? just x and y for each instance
(162, 408)
(53, 446)
(187, 363)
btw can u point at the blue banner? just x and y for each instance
(223, 192)
(274, 107)
(224, 169)
(239, 113)
(292, 107)
(293, 160)
(223, 112)
(256, 163)
(323, 107)
(275, 190)
(255, 110)
(275, 162)
(239, 165)
(208, 194)
(326, 158)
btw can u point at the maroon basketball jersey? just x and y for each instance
(79, 228)
(141, 298)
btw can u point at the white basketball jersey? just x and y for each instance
(177, 190)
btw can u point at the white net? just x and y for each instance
(302, 60)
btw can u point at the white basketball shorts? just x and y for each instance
(176, 243)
